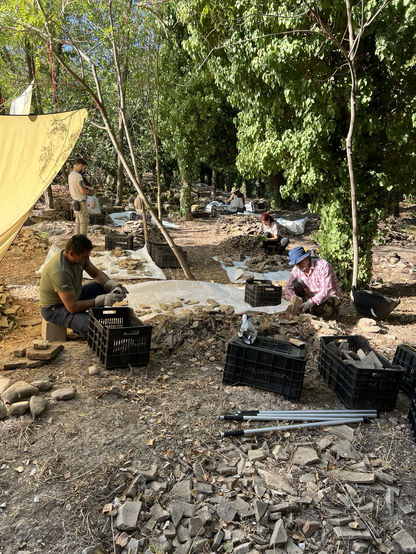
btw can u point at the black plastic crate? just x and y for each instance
(405, 356)
(97, 219)
(411, 418)
(268, 364)
(163, 256)
(262, 293)
(118, 337)
(359, 387)
(117, 239)
(69, 216)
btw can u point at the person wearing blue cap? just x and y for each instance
(315, 282)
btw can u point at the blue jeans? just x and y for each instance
(78, 322)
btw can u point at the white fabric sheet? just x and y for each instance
(237, 270)
(152, 293)
(21, 105)
(295, 227)
(108, 263)
(119, 219)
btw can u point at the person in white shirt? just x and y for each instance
(93, 206)
(78, 191)
(269, 233)
(235, 202)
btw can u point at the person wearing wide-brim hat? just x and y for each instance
(236, 201)
(315, 282)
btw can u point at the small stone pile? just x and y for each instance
(240, 225)
(259, 262)
(391, 230)
(279, 498)
(212, 307)
(28, 240)
(135, 228)
(358, 359)
(7, 309)
(17, 398)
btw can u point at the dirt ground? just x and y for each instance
(55, 470)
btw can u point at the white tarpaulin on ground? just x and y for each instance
(121, 219)
(238, 269)
(108, 264)
(295, 227)
(153, 293)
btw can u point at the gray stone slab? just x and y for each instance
(305, 457)
(182, 490)
(159, 513)
(405, 541)
(127, 515)
(226, 510)
(279, 535)
(277, 483)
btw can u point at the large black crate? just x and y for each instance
(118, 337)
(405, 356)
(97, 219)
(117, 239)
(268, 364)
(359, 387)
(411, 418)
(262, 293)
(163, 256)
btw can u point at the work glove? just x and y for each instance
(113, 286)
(105, 300)
(306, 305)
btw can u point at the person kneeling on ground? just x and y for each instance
(235, 202)
(93, 206)
(315, 282)
(63, 298)
(270, 234)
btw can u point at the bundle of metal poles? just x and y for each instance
(318, 418)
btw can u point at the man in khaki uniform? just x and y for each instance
(79, 191)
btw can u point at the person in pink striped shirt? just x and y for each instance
(314, 281)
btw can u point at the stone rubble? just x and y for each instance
(243, 498)
(20, 397)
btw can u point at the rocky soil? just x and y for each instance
(131, 460)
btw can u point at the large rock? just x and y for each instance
(3, 410)
(19, 391)
(5, 383)
(37, 405)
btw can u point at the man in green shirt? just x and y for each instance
(63, 298)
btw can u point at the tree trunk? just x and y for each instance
(120, 173)
(30, 69)
(348, 145)
(275, 182)
(214, 182)
(48, 196)
(2, 108)
(186, 196)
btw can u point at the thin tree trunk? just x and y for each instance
(120, 173)
(348, 144)
(214, 182)
(186, 196)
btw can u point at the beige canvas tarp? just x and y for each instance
(33, 149)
